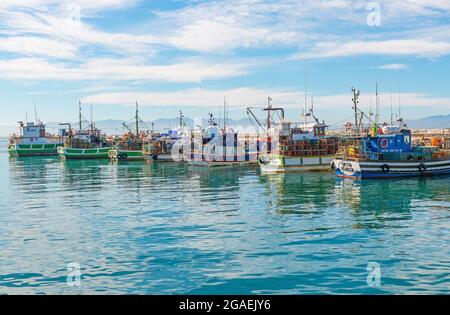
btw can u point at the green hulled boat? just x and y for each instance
(129, 147)
(83, 154)
(84, 144)
(19, 150)
(119, 154)
(33, 141)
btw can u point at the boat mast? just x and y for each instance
(399, 119)
(137, 120)
(79, 115)
(181, 121)
(92, 119)
(35, 112)
(269, 107)
(306, 101)
(392, 113)
(224, 114)
(377, 115)
(355, 107)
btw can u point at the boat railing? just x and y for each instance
(352, 152)
(441, 154)
(355, 153)
(21, 140)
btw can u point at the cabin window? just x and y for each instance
(407, 139)
(320, 131)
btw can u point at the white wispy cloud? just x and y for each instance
(214, 36)
(37, 46)
(84, 4)
(406, 47)
(116, 69)
(56, 28)
(393, 66)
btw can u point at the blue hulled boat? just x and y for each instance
(390, 155)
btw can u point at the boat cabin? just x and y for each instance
(316, 131)
(31, 133)
(394, 147)
(389, 143)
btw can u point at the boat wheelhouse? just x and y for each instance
(33, 140)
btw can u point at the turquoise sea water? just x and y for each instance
(169, 229)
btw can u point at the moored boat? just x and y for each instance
(33, 140)
(168, 146)
(390, 155)
(220, 147)
(387, 152)
(84, 144)
(129, 147)
(297, 147)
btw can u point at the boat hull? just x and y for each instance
(126, 155)
(83, 154)
(391, 169)
(20, 150)
(213, 160)
(273, 164)
(165, 157)
(219, 163)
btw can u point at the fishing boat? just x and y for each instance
(220, 147)
(33, 140)
(389, 155)
(168, 146)
(388, 151)
(84, 144)
(291, 147)
(130, 146)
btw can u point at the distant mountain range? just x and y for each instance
(432, 122)
(115, 126)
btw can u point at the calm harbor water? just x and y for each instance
(169, 229)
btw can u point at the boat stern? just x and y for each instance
(271, 164)
(12, 150)
(347, 169)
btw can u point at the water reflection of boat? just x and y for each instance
(300, 192)
(381, 203)
(28, 171)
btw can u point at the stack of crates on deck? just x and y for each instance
(313, 147)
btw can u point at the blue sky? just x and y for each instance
(188, 55)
